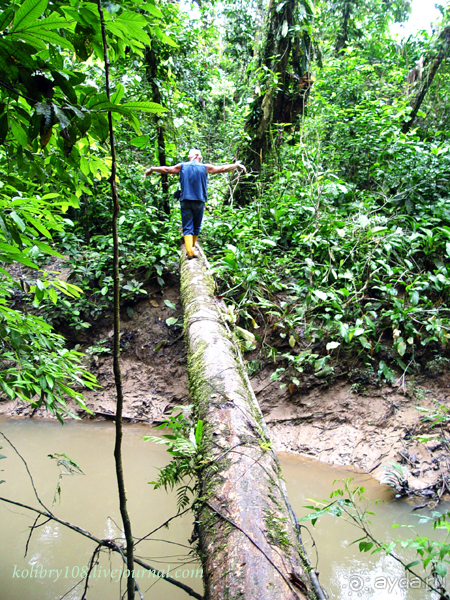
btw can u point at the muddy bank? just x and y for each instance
(153, 361)
(369, 431)
(340, 423)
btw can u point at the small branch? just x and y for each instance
(14, 91)
(32, 528)
(28, 471)
(71, 589)
(161, 526)
(358, 521)
(107, 543)
(91, 566)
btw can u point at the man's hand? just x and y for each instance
(241, 167)
(148, 171)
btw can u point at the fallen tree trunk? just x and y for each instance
(248, 535)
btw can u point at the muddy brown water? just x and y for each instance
(57, 558)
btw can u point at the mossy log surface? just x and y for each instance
(247, 538)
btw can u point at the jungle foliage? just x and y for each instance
(53, 127)
(343, 253)
(340, 253)
(336, 261)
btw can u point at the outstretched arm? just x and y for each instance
(164, 170)
(225, 168)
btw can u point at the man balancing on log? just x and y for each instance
(194, 192)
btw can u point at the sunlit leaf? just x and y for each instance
(28, 13)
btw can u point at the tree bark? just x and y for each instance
(286, 56)
(428, 79)
(152, 78)
(248, 538)
(342, 38)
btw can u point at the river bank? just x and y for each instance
(340, 422)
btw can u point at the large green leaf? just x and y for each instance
(65, 87)
(135, 123)
(90, 14)
(152, 10)
(53, 21)
(39, 226)
(140, 142)
(10, 253)
(132, 19)
(19, 133)
(151, 107)
(109, 106)
(31, 39)
(18, 220)
(21, 53)
(97, 101)
(139, 35)
(84, 124)
(163, 37)
(36, 36)
(99, 127)
(133, 24)
(46, 248)
(5, 18)
(6, 64)
(116, 30)
(29, 12)
(128, 108)
(81, 43)
(118, 94)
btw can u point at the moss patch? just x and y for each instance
(276, 531)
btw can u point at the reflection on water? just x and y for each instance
(345, 572)
(57, 558)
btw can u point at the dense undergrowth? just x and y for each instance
(340, 263)
(344, 255)
(149, 247)
(336, 264)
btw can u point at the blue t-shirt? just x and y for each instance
(193, 181)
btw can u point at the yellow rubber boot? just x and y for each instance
(194, 240)
(188, 243)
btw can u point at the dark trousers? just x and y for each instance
(192, 216)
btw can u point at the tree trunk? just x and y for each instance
(131, 584)
(342, 38)
(152, 78)
(248, 536)
(284, 64)
(428, 79)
